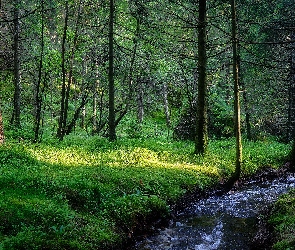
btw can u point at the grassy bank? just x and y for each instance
(283, 220)
(88, 193)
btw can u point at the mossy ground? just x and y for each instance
(88, 193)
(283, 220)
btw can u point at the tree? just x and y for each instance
(292, 97)
(1, 129)
(112, 114)
(15, 120)
(291, 113)
(236, 93)
(38, 90)
(202, 105)
(65, 86)
(65, 127)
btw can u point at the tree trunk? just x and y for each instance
(140, 106)
(112, 116)
(94, 108)
(61, 123)
(72, 124)
(66, 85)
(291, 115)
(236, 94)
(291, 118)
(1, 129)
(201, 141)
(166, 105)
(15, 120)
(38, 93)
(245, 99)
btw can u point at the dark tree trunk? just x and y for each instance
(202, 105)
(62, 122)
(291, 127)
(236, 94)
(72, 124)
(245, 99)
(140, 106)
(15, 120)
(66, 85)
(112, 116)
(166, 105)
(291, 115)
(94, 108)
(1, 129)
(247, 116)
(38, 93)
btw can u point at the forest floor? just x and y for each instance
(88, 193)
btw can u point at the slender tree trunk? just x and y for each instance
(201, 140)
(61, 123)
(166, 105)
(291, 115)
(140, 106)
(291, 118)
(1, 129)
(94, 108)
(72, 124)
(236, 94)
(70, 74)
(247, 116)
(38, 95)
(15, 120)
(112, 116)
(66, 84)
(245, 99)
(132, 61)
(101, 123)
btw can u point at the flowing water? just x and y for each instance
(219, 222)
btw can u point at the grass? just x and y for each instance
(88, 193)
(283, 220)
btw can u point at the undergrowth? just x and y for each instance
(88, 193)
(283, 220)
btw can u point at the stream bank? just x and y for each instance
(222, 219)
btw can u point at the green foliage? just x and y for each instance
(221, 117)
(88, 193)
(283, 220)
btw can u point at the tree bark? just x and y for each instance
(291, 118)
(62, 122)
(245, 99)
(112, 116)
(72, 124)
(166, 105)
(291, 113)
(66, 84)
(38, 93)
(1, 129)
(140, 95)
(201, 140)
(15, 120)
(94, 110)
(236, 94)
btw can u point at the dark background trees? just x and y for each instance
(56, 67)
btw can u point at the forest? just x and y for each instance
(112, 111)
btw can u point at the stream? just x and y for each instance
(228, 221)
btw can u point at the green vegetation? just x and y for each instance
(89, 193)
(283, 220)
(82, 71)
